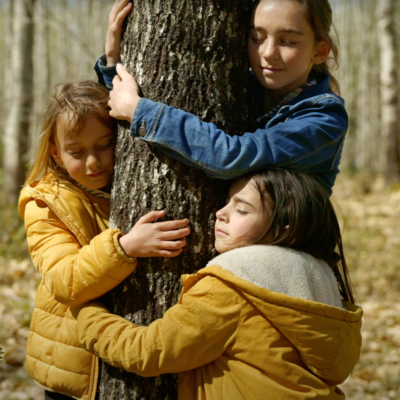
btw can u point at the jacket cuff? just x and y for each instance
(105, 74)
(146, 118)
(121, 252)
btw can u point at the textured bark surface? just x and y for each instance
(191, 55)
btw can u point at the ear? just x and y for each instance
(323, 51)
(55, 154)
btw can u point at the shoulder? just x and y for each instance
(282, 270)
(322, 101)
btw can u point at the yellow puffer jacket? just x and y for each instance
(229, 338)
(79, 259)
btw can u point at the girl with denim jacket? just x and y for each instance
(301, 123)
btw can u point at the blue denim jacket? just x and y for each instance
(306, 134)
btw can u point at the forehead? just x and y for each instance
(71, 127)
(244, 187)
(280, 15)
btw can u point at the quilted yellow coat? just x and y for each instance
(229, 338)
(79, 259)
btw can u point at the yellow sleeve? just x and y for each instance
(189, 335)
(71, 273)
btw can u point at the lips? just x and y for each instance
(96, 175)
(271, 71)
(220, 232)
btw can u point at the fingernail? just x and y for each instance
(119, 65)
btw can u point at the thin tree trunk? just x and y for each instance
(191, 55)
(20, 101)
(389, 88)
(41, 67)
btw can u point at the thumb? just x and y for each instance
(121, 71)
(151, 217)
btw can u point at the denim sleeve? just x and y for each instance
(104, 73)
(309, 139)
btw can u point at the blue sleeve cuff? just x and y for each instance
(105, 74)
(146, 118)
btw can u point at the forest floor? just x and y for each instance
(371, 238)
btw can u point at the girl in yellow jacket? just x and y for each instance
(271, 317)
(65, 205)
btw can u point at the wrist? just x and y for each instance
(112, 59)
(132, 109)
(124, 243)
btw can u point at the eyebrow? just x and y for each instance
(280, 31)
(78, 143)
(238, 199)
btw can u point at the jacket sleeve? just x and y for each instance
(71, 273)
(310, 137)
(190, 334)
(105, 74)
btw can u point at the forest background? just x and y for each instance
(45, 42)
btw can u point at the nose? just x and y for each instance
(269, 49)
(222, 215)
(92, 160)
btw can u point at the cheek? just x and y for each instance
(74, 166)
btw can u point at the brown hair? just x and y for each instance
(303, 219)
(75, 101)
(319, 15)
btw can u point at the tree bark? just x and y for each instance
(191, 55)
(20, 101)
(389, 88)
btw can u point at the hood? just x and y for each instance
(327, 337)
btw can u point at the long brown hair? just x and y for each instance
(75, 100)
(303, 219)
(319, 16)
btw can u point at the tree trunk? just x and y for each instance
(41, 72)
(389, 88)
(20, 100)
(191, 55)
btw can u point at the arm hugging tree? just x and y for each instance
(190, 54)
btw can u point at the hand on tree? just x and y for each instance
(155, 239)
(124, 97)
(119, 11)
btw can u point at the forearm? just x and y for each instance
(74, 275)
(308, 140)
(189, 335)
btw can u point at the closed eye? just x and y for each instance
(242, 212)
(75, 153)
(107, 145)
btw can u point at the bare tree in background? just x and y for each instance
(389, 88)
(41, 73)
(191, 55)
(15, 137)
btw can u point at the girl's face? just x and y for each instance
(244, 219)
(282, 47)
(88, 156)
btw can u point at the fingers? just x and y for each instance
(122, 14)
(151, 217)
(122, 72)
(170, 253)
(117, 7)
(173, 245)
(174, 234)
(172, 225)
